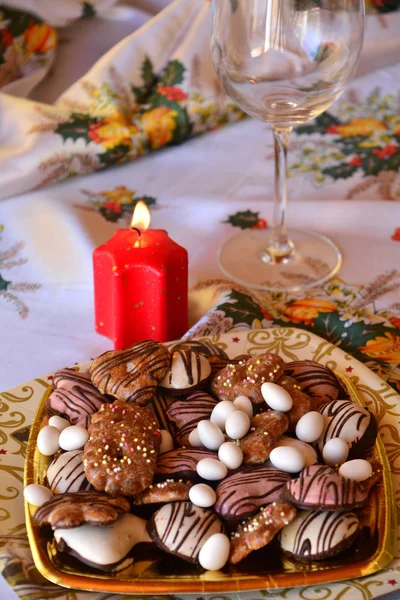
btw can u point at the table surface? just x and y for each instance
(204, 191)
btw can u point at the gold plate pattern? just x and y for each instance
(267, 568)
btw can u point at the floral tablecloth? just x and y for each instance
(344, 182)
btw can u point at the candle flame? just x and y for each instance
(141, 216)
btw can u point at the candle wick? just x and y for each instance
(137, 231)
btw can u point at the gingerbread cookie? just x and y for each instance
(120, 456)
(187, 413)
(133, 374)
(75, 397)
(302, 403)
(246, 379)
(104, 548)
(188, 371)
(66, 473)
(321, 488)
(265, 431)
(243, 492)
(315, 380)
(165, 491)
(205, 348)
(72, 510)
(318, 535)
(258, 531)
(181, 463)
(351, 422)
(181, 528)
(217, 363)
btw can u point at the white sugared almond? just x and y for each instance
(73, 438)
(214, 553)
(221, 412)
(357, 469)
(237, 425)
(231, 455)
(310, 426)
(210, 435)
(288, 459)
(245, 404)
(202, 495)
(37, 494)
(194, 439)
(58, 422)
(48, 440)
(335, 452)
(276, 396)
(211, 469)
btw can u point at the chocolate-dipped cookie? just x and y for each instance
(75, 397)
(243, 492)
(187, 413)
(302, 404)
(351, 422)
(318, 535)
(321, 488)
(66, 473)
(188, 371)
(181, 463)
(133, 374)
(205, 348)
(315, 380)
(104, 547)
(163, 492)
(246, 377)
(181, 528)
(159, 407)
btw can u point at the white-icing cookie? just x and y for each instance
(188, 371)
(105, 545)
(318, 535)
(66, 473)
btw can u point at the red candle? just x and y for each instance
(140, 284)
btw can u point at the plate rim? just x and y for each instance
(96, 583)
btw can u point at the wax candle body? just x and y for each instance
(141, 287)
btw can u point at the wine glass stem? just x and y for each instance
(280, 245)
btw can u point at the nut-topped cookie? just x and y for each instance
(120, 456)
(133, 374)
(246, 377)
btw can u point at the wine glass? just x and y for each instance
(284, 62)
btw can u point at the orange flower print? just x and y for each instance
(358, 127)
(385, 152)
(40, 38)
(159, 125)
(386, 348)
(308, 309)
(113, 131)
(172, 93)
(395, 321)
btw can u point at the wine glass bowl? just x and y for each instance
(284, 62)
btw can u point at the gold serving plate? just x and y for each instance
(157, 573)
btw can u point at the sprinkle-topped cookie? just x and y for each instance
(132, 374)
(246, 377)
(120, 456)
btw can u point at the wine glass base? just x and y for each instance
(313, 260)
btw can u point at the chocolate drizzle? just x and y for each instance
(75, 397)
(316, 535)
(190, 411)
(182, 528)
(66, 474)
(204, 348)
(181, 463)
(314, 379)
(188, 370)
(132, 374)
(159, 407)
(321, 488)
(242, 493)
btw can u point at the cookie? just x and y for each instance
(265, 431)
(73, 510)
(75, 397)
(242, 493)
(159, 407)
(351, 422)
(217, 363)
(181, 528)
(315, 380)
(104, 548)
(188, 371)
(186, 413)
(377, 472)
(302, 404)
(66, 474)
(258, 531)
(133, 374)
(321, 488)
(246, 379)
(120, 456)
(181, 463)
(165, 491)
(318, 535)
(205, 348)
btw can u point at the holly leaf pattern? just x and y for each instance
(76, 128)
(341, 171)
(3, 284)
(88, 10)
(173, 73)
(241, 308)
(244, 219)
(320, 125)
(114, 155)
(149, 79)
